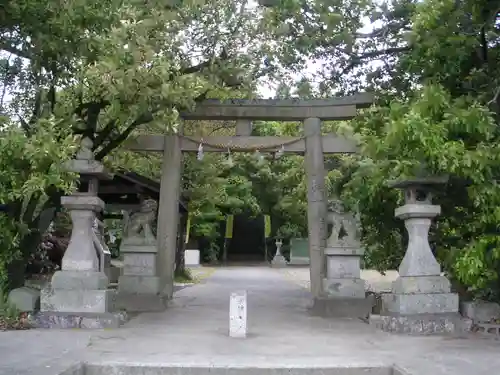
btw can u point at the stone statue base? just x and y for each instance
(78, 299)
(343, 288)
(279, 261)
(139, 287)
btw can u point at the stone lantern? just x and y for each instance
(79, 295)
(420, 301)
(279, 260)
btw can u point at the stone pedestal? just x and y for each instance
(343, 288)
(79, 291)
(139, 286)
(420, 301)
(343, 273)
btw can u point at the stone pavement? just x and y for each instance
(194, 332)
(375, 281)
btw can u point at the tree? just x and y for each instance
(31, 168)
(107, 70)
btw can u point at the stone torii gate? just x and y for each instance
(313, 145)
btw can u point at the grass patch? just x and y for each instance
(194, 276)
(184, 277)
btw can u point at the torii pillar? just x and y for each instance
(316, 199)
(168, 212)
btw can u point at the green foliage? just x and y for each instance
(433, 134)
(29, 167)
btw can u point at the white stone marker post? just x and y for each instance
(421, 301)
(238, 314)
(279, 260)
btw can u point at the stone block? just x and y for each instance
(354, 251)
(342, 307)
(192, 258)
(89, 167)
(341, 266)
(430, 303)
(139, 284)
(80, 280)
(421, 284)
(423, 324)
(143, 264)
(299, 261)
(138, 248)
(60, 320)
(344, 288)
(480, 311)
(77, 301)
(25, 299)
(83, 202)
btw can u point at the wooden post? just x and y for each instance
(168, 212)
(316, 199)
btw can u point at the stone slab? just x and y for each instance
(192, 258)
(83, 202)
(132, 302)
(139, 284)
(135, 369)
(342, 307)
(425, 211)
(421, 284)
(299, 261)
(344, 288)
(430, 303)
(80, 280)
(341, 266)
(138, 248)
(345, 250)
(77, 301)
(88, 167)
(421, 324)
(25, 299)
(61, 320)
(139, 264)
(480, 311)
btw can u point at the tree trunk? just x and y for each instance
(16, 270)
(180, 261)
